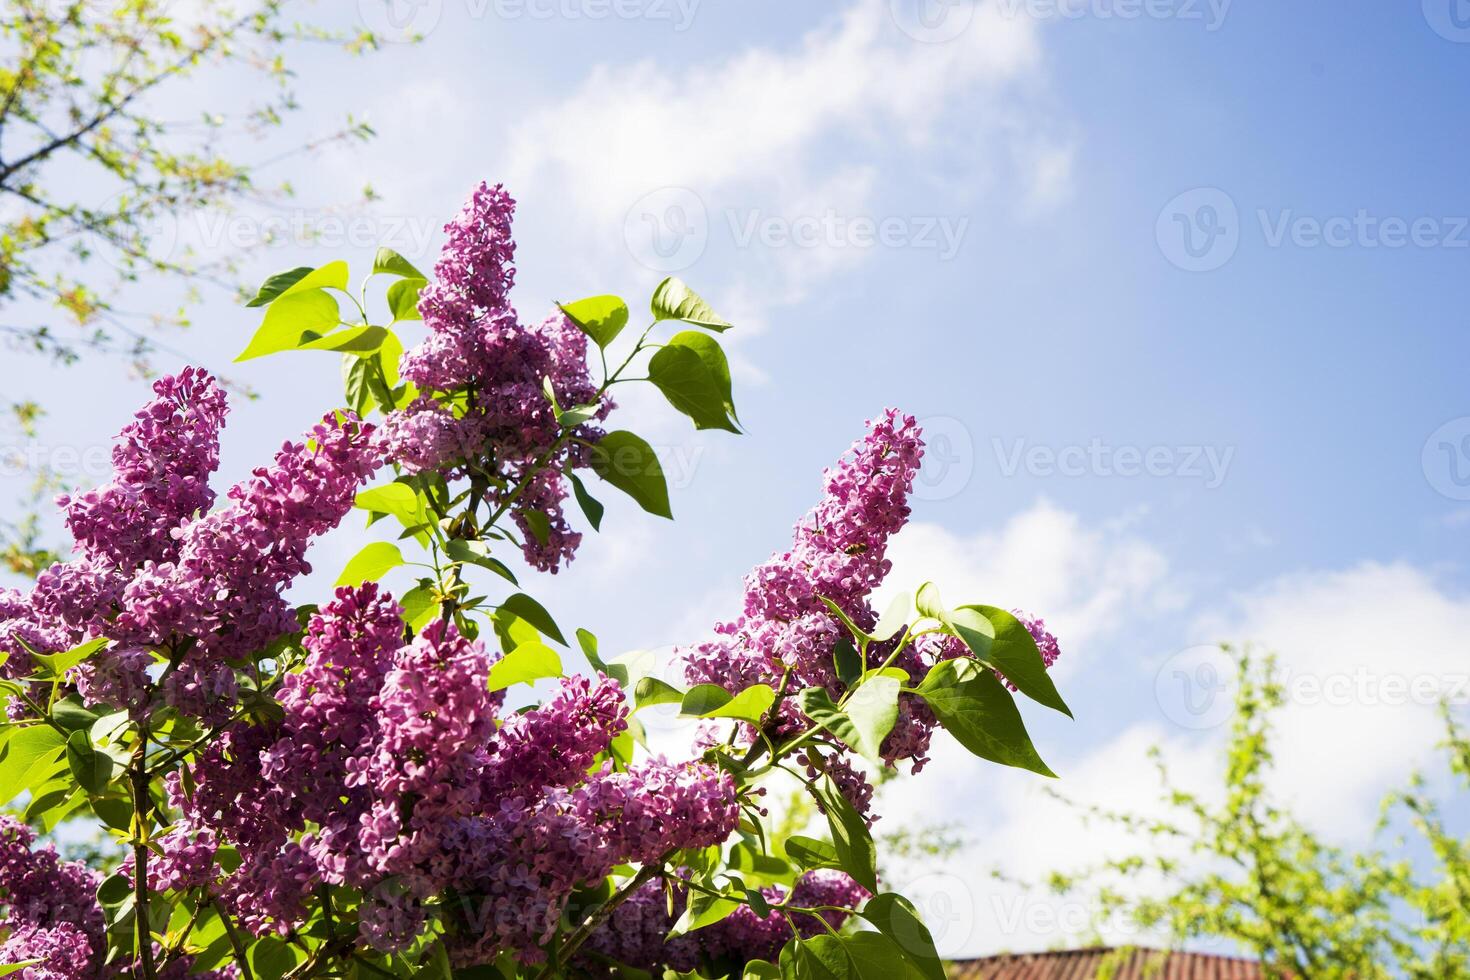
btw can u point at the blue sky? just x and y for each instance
(1285, 389)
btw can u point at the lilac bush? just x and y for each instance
(373, 787)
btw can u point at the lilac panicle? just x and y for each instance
(477, 347)
(162, 462)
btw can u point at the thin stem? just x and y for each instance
(573, 942)
(234, 937)
(139, 775)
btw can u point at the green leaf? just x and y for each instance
(846, 620)
(850, 836)
(403, 299)
(419, 607)
(1003, 641)
(600, 317)
(114, 891)
(591, 506)
(526, 664)
(10, 968)
(847, 661)
(115, 813)
(588, 643)
(760, 970)
(870, 715)
(333, 275)
(372, 562)
(271, 958)
(524, 607)
(702, 910)
(629, 463)
(539, 524)
(873, 710)
(894, 618)
(896, 918)
(31, 756)
(713, 701)
(293, 319)
(92, 769)
(752, 863)
(872, 956)
(980, 713)
(278, 284)
(673, 300)
(651, 691)
(70, 714)
(713, 356)
(811, 854)
(686, 381)
(397, 500)
(58, 664)
(928, 604)
(359, 340)
(391, 263)
(477, 553)
(803, 959)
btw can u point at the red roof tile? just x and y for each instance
(1085, 964)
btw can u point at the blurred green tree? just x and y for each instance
(1246, 871)
(94, 160)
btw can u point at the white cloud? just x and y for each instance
(1365, 654)
(1016, 827)
(1084, 580)
(794, 133)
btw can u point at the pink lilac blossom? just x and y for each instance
(581, 719)
(162, 463)
(154, 575)
(389, 766)
(50, 907)
(522, 861)
(838, 552)
(745, 936)
(1046, 643)
(225, 586)
(635, 935)
(481, 359)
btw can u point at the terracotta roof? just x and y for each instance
(1084, 964)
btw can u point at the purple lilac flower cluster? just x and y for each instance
(393, 772)
(838, 552)
(50, 908)
(482, 408)
(154, 573)
(636, 933)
